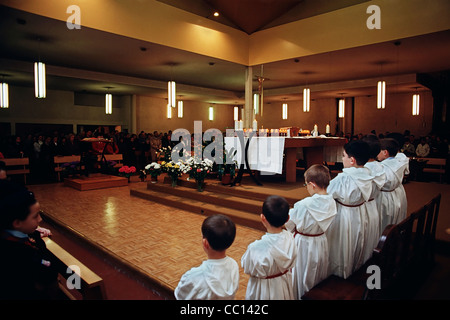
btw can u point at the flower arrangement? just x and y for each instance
(154, 169)
(228, 168)
(199, 170)
(174, 170)
(165, 154)
(127, 171)
(71, 168)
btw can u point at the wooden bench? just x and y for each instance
(404, 254)
(59, 160)
(435, 166)
(117, 157)
(18, 166)
(91, 285)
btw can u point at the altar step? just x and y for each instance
(241, 205)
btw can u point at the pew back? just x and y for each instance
(17, 166)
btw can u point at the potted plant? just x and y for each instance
(127, 171)
(227, 171)
(199, 170)
(174, 170)
(154, 170)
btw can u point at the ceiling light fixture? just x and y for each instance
(4, 95)
(415, 104)
(180, 109)
(171, 93)
(381, 95)
(341, 107)
(39, 80)
(306, 99)
(236, 113)
(211, 113)
(284, 114)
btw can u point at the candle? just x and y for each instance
(255, 125)
(327, 130)
(236, 125)
(315, 128)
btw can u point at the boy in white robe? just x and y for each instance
(309, 219)
(218, 277)
(394, 204)
(351, 189)
(373, 232)
(269, 260)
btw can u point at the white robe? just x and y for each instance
(373, 232)
(351, 187)
(401, 189)
(311, 216)
(393, 203)
(214, 279)
(270, 256)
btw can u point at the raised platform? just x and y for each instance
(95, 181)
(242, 204)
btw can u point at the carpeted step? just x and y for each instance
(230, 200)
(185, 203)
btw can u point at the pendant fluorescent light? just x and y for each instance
(108, 103)
(211, 113)
(341, 108)
(381, 95)
(4, 95)
(171, 93)
(306, 99)
(169, 111)
(285, 111)
(39, 80)
(256, 103)
(236, 113)
(180, 109)
(415, 104)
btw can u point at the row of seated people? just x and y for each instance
(332, 232)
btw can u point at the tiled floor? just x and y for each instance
(162, 241)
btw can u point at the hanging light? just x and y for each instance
(306, 99)
(256, 103)
(4, 95)
(236, 113)
(171, 93)
(415, 104)
(180, 109)
(211, 113)
(39, 80)
(169, 111)
(108, 103)
(285, 111)
(381, 95)
(341, 108)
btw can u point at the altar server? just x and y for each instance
(351, 189)
(218, 277)
(309, 219)
(269, 260)
(393, 204)
(372, 228)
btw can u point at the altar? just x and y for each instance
(265, 154)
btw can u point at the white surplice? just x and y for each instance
(311, 217)
(214, 279)
(401, 189)
(373, 232)
(393, 203)
(351, 189)
(271, 256)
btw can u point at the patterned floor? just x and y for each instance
(161, 241)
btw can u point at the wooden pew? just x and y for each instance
(404, 254)
(92, 286)
(118, 157)
(15, 163)
(435, 166)
(59, 160)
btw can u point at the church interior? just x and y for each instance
(242, 65)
